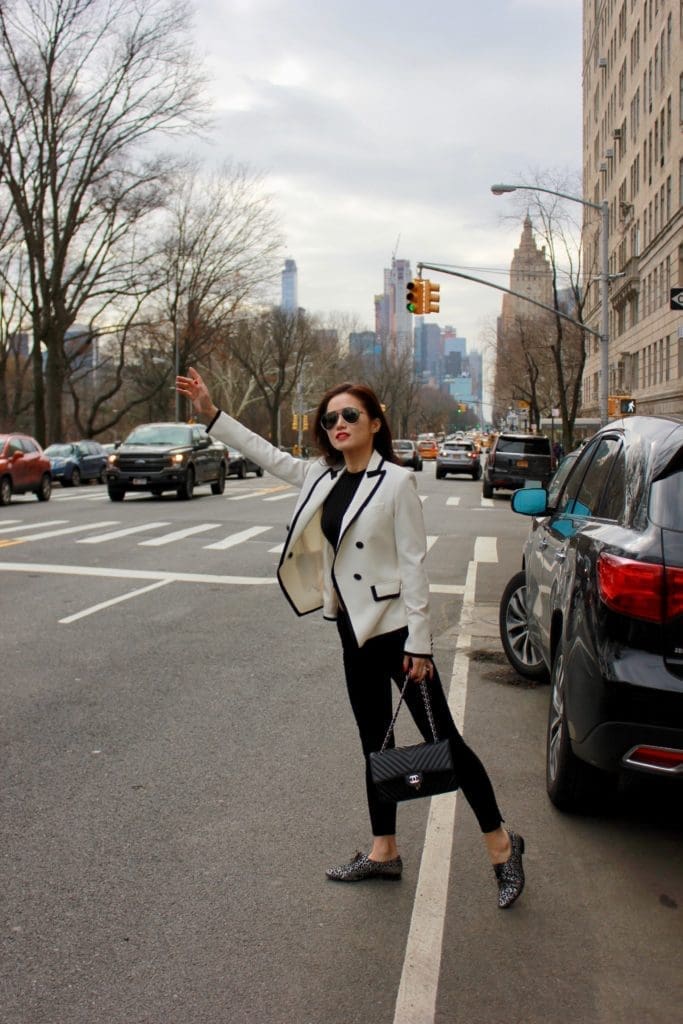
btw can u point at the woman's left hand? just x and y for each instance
(418, 669)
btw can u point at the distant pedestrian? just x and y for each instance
(356, 547)
(558, 451)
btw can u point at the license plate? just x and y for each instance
(139, 481)
(522, 464)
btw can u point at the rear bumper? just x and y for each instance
(610, 746)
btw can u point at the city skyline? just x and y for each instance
(378, 135)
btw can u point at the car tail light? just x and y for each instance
(632, 588)
(674, 592)
(663, 759)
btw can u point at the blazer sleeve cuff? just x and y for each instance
(209, 425)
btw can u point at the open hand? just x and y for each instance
(194, 388)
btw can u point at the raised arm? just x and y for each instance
(230, 431)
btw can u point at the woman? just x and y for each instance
(356, 548)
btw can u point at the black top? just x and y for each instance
(336, 504)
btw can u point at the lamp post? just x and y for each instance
(603, 207)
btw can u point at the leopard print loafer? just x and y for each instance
(361, 868)
(510, 875)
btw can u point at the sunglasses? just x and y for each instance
(348, 414)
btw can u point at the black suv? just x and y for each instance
(599, 606)
(160, 457)
(517, 460)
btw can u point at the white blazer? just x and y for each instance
(378, 566)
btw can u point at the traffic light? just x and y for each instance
(415, 297)
(627, 406)
(305, 423)
(431, 298)
(295, 421)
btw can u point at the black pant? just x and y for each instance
(369, 670)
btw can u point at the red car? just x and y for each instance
(23, 467)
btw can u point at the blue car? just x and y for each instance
(73, 464)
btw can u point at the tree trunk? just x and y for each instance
(54, 379)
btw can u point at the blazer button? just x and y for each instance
(290, 555)
(357, 576)
(359, 544)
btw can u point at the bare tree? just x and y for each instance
(84, 84)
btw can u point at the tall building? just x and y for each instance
(530, 275)
(633, 158)
(290, 291)
(393, 322)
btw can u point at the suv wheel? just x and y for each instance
(572, 784)
(514, 631)
(259, 471)
(75, 480)
(218, 486)
(186, 488)
(440, 475)
(5, 490)
(116, 493)
(45, 490)
(477, 473)
(487, 490)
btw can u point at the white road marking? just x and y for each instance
(30, 526)
(280, 497)
(115, 534)
(453, 500)
(487, 502)
(485, 549)
(446, 588)
(431, 540)
(416, 999)
(71, 529)
(115, 600)
(237, 538)
(135, 574)
(80, 497)
(171, 538)
(423, 498)
(277, 550)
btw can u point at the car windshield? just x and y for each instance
(62, 451)
(458, 446)
(159, 434)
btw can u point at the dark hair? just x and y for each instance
(370, 402)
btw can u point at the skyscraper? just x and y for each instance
(393, 322)
(290, 292)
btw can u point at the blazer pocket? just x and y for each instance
(386, 591)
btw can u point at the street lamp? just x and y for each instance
(603, 207)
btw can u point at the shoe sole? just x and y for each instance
(367, 878)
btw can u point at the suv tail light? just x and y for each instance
(643, 590)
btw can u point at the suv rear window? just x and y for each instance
(666, 501)
(524, 446)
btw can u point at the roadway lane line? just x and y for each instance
(277, 550)
(237, 538)
(171, 538)
(99, 572)
(281, 497)
(431, 540)
(115, 534)
(418, 988)
(453, 500)
(114, 600)
(487, 502)
(70, 529)
(485, 549)
(31, 526)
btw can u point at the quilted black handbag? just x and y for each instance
(424, 769)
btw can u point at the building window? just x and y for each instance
(667, 358)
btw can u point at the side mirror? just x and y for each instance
(530, 501)
(204, 442)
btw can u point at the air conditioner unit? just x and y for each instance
(602, 62)
(616, 134)
(609, 154)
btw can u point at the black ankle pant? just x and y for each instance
(369, 670)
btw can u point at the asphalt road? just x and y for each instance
(179, 766)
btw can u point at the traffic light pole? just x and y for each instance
(508, 291)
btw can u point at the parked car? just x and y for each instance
(79, 462)
(239, 465)
(517, 460)
(458, 457)
(603, 577)
(407, 454)
(428, 449)
(23, 467)
(160, 457)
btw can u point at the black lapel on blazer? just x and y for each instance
(332, 473)
(378, 475)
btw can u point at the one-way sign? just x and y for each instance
(676, 298)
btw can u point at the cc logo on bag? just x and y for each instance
(415, 780)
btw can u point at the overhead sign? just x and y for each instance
(676, 298)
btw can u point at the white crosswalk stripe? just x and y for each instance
(171, 538)
(70, 529)
(453, 500)
(30, 526)
(280, 497)
(487, 502)
(237, 538)
(116, 534)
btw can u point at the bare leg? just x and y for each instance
(498, 845)
(383, 848)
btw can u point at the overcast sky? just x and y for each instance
(380, 131)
